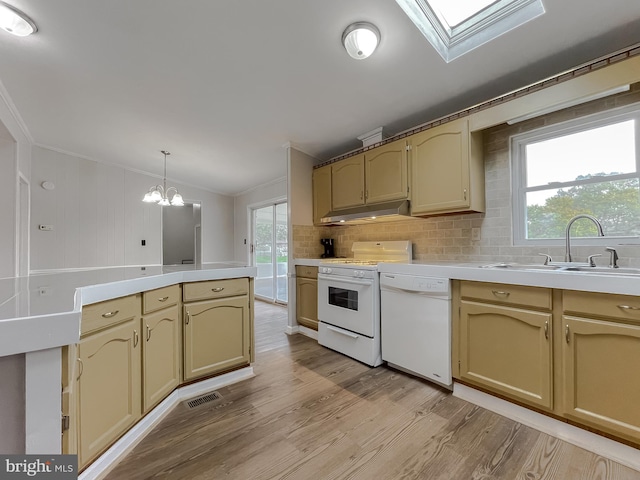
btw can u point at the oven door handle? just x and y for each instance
(329, 278)
(342, 332)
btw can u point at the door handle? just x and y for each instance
(188, 317)
(136, 338)
(342, 332)
(148, 333)
(81, 368)
(546, 329)
(566, 333)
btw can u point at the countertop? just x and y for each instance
(566, 280)
(42, 311)
(307, 262)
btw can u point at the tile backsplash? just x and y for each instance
(449, 238)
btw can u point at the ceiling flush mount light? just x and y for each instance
(160, 193)
(15, 22)
(360, 39)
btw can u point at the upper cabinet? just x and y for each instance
(347, 183)
(321, 193)
(375, 176)
(386, 173)
(447, 173)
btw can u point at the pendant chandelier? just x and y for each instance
(162, 195)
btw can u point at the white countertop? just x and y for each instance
(43, 310)
(566, 280)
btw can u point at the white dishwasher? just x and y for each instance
(415, 314)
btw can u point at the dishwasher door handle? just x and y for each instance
(343, 332)
(389, 288)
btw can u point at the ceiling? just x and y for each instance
(223, 85)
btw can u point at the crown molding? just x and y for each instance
(4, 94)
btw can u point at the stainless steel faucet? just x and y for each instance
(567, 253)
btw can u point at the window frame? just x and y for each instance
(517, 152)
(487, 24)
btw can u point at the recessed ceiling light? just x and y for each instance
(15, 22)
(360, 39)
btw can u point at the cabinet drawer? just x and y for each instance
(215, 289)
(304, 271)
(160, 298)
(508, 294)
(110, 312)
(625, 307)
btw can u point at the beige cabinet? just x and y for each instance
(386, 173)
(321, 193)
(505, 343)
(217, 332)
(600, 355)
(161, 357)
(108, 387)
(447, 172)
(347, 183)
(307, 296)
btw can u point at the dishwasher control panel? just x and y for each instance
(412, 283)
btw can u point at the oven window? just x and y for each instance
(343, 298)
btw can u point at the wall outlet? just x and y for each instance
(45, 228)
(475, 234)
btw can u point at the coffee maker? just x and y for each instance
(328, 247)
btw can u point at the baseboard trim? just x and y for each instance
(308, 332)
(109, 459)
(292, 330)
(616, 451)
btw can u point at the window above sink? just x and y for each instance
(587, 165)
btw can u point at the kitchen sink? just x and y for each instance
(564, 268)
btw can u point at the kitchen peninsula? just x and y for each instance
(40, 315)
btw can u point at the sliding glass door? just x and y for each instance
(270, 253)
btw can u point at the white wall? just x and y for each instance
(99, 219)
(270, 192)
(8, 209)
(300, 187)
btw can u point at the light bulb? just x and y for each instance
(15, 22)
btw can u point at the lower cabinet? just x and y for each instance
(108, 387)
(160, 356)
(217, 336)
(307, 296)
(508, 350)
(600, 375)
(131, 355)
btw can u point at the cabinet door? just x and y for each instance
(386, 173)
(347, 183)
(216, 336)
(108, 387)
(321, 193)
(440, 169)
(601, 382)
(160, 356)
(507, 350)
(307, 302)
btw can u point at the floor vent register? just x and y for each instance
(203, 399)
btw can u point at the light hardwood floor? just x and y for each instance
(311, 413)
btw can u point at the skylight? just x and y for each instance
(455, 27)
(455, 12)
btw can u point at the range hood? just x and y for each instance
(381, 212)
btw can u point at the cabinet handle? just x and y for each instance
(360, 194)
(546, 330)
(217, 289)
(148, 333)
(110, 314)
(163, 299)
(628, 307)
(366, 194)
(188, 317)
(566, 333)
(464, 193)
(136, 338)
(500, 293)
(81, 369)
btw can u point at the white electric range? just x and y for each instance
(349, 299)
